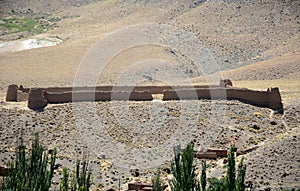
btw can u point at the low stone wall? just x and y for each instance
(270, 98)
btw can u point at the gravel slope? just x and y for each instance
(258, 40)
(123, 136)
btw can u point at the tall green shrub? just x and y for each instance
(203, 177)
(30, 173)
(183, 170)
(80, 179)
(157, 184)
(64, 184)
(230, 175)
(232, 181)
(240, 182)
(184, 176)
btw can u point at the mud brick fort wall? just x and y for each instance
(40, 97)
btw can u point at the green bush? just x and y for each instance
(34, 172)
(64, 184)
(30, 173)
(202, 178)
(230, 174)
(231, 182)
(184, 176)
(157, 184)
(80, 179)
(183, 170)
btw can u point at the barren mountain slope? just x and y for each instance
(254, 42)
(243, 32)
(236, 33)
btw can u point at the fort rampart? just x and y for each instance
(270, 98)
(63, 97)
(40, 97)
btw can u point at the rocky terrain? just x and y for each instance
(254, 43)
(143, 137)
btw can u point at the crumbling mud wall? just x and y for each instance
(36, 100)
(39, 97)
(12, 93)
(63, 97)
(270, 98)
(161, 89)
(22, 96)
(152, 89)
(15, 93)
(203, 93)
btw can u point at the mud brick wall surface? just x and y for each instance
(270, 98)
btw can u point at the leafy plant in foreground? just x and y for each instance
(183, 170)
(157, 184)
(33, 173)
(185, 176)
(231, 182)
(230, 174)
(80, 178)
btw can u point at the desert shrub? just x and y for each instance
(232, 181)
(64, 183)
(202, 183)
(216, 184)
(240, 181)
(185, 177)
(34, 171)
(230, 174)
(80, 178)
(157, 184)
(183, 170)
(30, 173)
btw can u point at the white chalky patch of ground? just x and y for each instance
(15, 46)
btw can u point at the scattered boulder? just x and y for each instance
(256, 127)
(167, 170)
(135, 172)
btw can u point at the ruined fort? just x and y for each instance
(38, 98)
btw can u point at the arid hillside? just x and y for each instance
(236, 33)
(58, 43)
